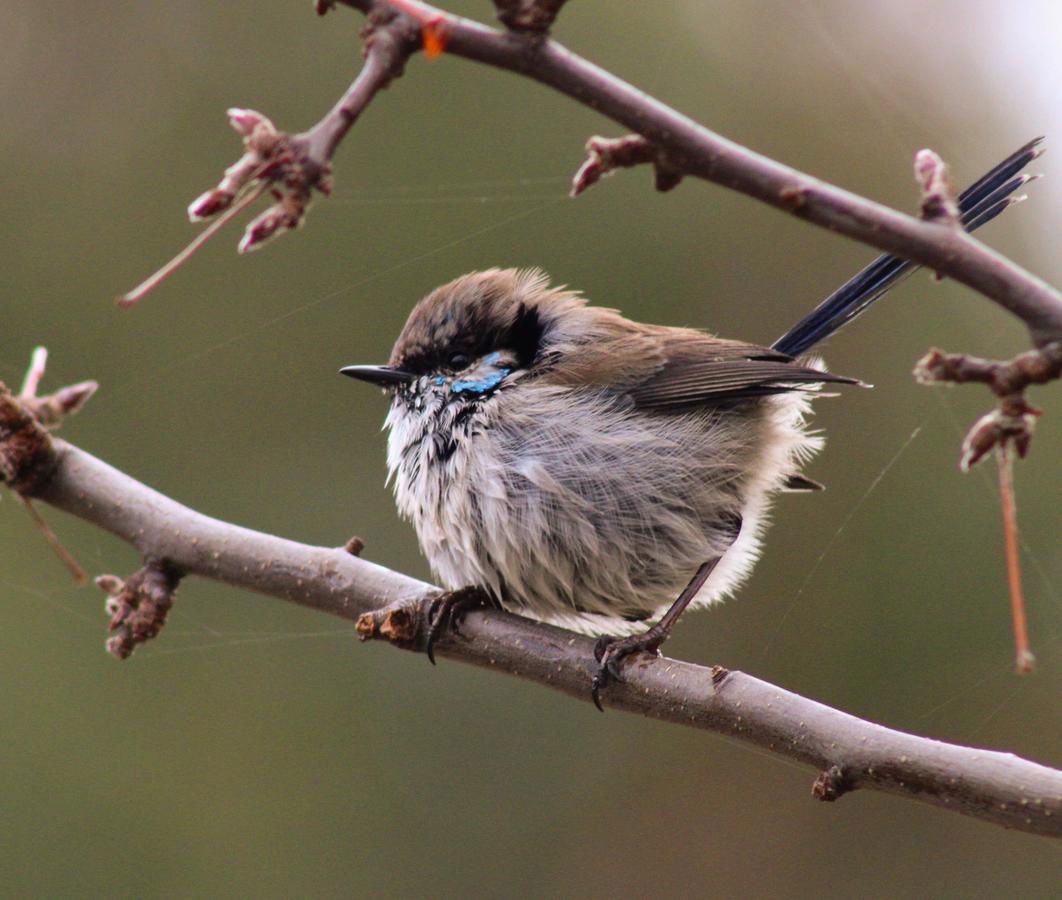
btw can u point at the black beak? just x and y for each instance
(384, 376)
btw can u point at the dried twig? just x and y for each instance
(605, 155)
(1009, 425)
(1023, 657)
(1013, 419)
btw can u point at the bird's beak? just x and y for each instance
(384, 376)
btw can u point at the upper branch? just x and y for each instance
(695, 150)
(389, 41)
(849, 752)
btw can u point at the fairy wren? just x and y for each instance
(599, 473)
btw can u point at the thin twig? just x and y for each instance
(153, 281)
(52, 539)
(1024, 659)
(32, 382)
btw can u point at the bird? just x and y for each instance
(566, 463)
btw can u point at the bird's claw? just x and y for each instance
(447, 610)
(610, 652)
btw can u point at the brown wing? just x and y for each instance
(705, 370)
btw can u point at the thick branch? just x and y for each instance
(698, 151)
(849, 752)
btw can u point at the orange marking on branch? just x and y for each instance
(435, 38)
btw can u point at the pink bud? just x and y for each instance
(209, 204)
(261, 229)
(71, 399)
(980, 440)
(245, 121)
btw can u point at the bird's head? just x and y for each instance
(476, 335)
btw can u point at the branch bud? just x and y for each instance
(938, 195)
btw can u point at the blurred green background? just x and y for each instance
(256, 748)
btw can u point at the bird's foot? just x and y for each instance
(447, 610)
(610, 652)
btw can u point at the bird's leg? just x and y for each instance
(610, 651)
(447, 610)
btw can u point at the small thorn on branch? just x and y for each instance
(605, 155)
(535, 16)
(138, 605)
(831, 784)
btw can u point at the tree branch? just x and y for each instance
(175, 541)
(694, 150)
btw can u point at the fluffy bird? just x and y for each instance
(599, 473)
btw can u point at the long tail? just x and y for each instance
(981, 202)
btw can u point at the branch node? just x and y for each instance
(831, 784)
(354, 546)
(27, 457)
(51, 409)
(719, 675)
(533, 16)
(138, 606)
(793, 197)
(605, 155)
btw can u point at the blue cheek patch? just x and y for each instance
(480, 385)
(487, 376)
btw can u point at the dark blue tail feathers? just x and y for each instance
(980, 203)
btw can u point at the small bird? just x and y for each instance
(598, 473)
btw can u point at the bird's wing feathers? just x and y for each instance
(671, 369)
(703, 370)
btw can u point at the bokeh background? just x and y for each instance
(255, 748)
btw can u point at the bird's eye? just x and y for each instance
(459, 361)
